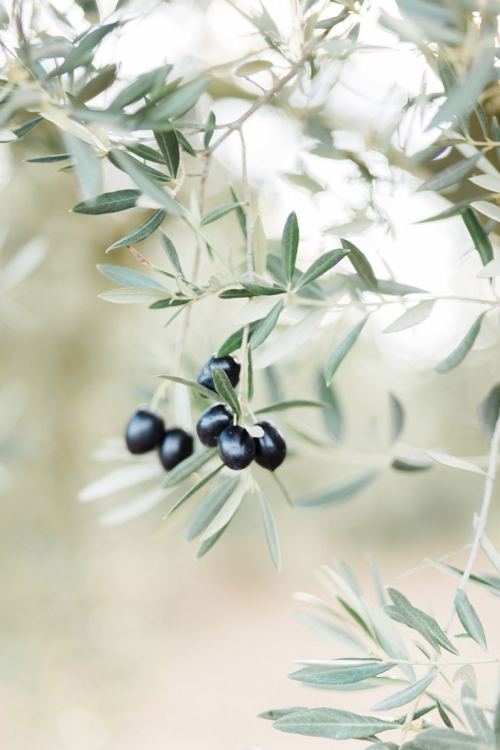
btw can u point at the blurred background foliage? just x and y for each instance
(113, 637)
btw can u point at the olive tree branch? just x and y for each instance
(480, 527)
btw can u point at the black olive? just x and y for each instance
(144, 432)
(212, 422)
(176, 446)
(229, 364)
(270, 449)
(236, 447)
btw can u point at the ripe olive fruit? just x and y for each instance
(270, 449)
(212, 422)
(176, 446)
(229, 364)
(236, 447)
(144, 431)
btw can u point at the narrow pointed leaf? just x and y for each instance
(206, 545)
(259, 247)
(209, 130)
(451, 175)
(469, 619)
(134, 295)
(361, 265)
(479, 237)
(439, 738)
(207, 392)
(321, 266)
(455, 463)
(411, 317)
(194, 489)
(218, 213)
(145, 230)
(290, 340)
(128, 277)
(270, 529)
(145, 183)
(191, 464)
(489, 411)
(341, 350)
(333, 723)
(490, 270)
(403, 697)
(266, 326)
(488, 209)
(169, 147)
(464, 347)
(290, 246)
(227, 511)
(330, 630)
(225, 389)
(211, 506)
(332, 416)
(169, 248)
(397, 417)
(339, 491)
(338, 674)
(402, 611)
(291, 404)
(108, 203)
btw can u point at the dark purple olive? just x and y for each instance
(236, 447)
(212, 422)
(270, 449)
(229, 364)
(176, 446)
(145, 431)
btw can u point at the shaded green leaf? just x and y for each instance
(209, 130)
(290, 246)
(147, 184)
(169, 147)
(397, 417)
(332, 417)
(218, 213)
(265, 326)
(464, 347)
(469, 619)
(339, 673)
(321, 266)
(489, 411)
(361, 265)
(195, 387)
(48, 159)
(211, 506)
(290, 404)
(261, 289)
(169, 248)
(194, 489)
(341, 350)
(225, 389)
(128, 277)
(108, 203)
(478, 235)
(144, 230)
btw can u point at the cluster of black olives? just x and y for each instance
(237, 448)
(146, 431)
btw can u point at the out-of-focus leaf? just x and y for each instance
(137, 507)
(218, 213)
(23, 263)
(206, 545)
(332, 723)
(211, 506)
(330, 630)
(184, 143)
(225, 389)
(411, 317)
(341, 350)
(339, 491)
(209, 130)
(321, 266)
(332, 416)
(27, 126)
(491, 551)
(259, 247)
(134, 295)
(290, 246)
(128, 277)
(450, 175)
(228, 510)
(87, 165)
(464, 347)
(191, 464)
(289, 341)
(255, 309)
(102, 81)
(438, 738)
(179, 102)
(464, 94)
(270, 529)
(490, 270)
(361, 265)
(407, 461)
(261, 289)
(377, 580)
(402, 611)
(169, 147)
(266, 325)
(108, 203)
(141, 87)
(479, 237)
(145, 152)
(455, 463)
(397, 417)
(144, 230)
(305, 181)
(488, 209)
(252, 67)
(469, 619)
(403, 697)
(120, 479)
(474, 713)
(280, 405)
(489, 410)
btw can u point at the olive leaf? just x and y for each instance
(225, 389)
(290, 246)
(341, 350)
(141, 233)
